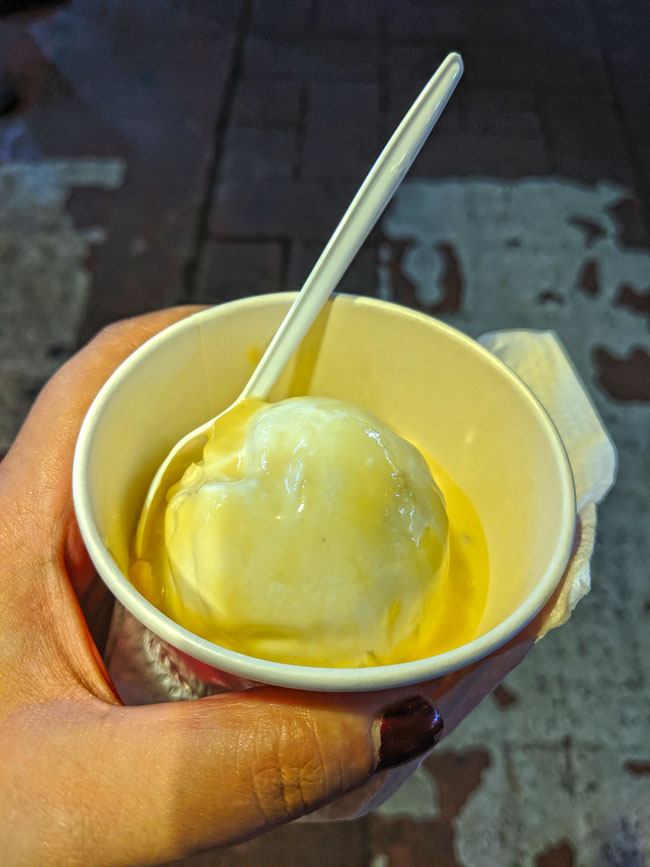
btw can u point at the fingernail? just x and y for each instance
(407, 729)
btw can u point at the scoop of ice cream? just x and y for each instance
(310, 533)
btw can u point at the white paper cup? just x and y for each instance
(436, 386)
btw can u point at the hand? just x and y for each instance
(84, 779)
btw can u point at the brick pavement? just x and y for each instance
(244, 128)
(542, 96)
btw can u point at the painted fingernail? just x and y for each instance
(407, 729)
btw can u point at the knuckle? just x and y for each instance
(292, 777)
(111, 331)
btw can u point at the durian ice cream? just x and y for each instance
(309, 533)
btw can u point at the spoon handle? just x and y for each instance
(364, 211)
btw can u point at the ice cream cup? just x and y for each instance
(437, 387)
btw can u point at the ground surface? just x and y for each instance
(204, 151)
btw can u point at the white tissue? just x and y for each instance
(541, 361)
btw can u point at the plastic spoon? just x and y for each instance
(364, 211)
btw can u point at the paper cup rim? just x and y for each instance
(315, 677)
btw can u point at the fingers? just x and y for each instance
(148, 784)
(39, 540)
(231, 767)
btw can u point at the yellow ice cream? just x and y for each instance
(310, 533)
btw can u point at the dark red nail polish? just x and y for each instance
(408, 729)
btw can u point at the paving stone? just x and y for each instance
(523, 237)
(312, 59)
(412, 20)
(52, 118)
(585, 140)
(237, 269)
(232, 269)
(538, 67)
(631, 78)
(342, 135)
(44, 284)
(633, 225)
(621, 26)
(22, 64)
(282, 20)
(567, 26)
(342, 18)
(627, 378)
(464, 21)
(500, 113)
(89, 207)
(500, 21)
(267, 104)
(466, 154)
(299, 844)
(151, 108)
(359, 279)
(254, 155)
(303, 210)
(642, 154)
(171, 16)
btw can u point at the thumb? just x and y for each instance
(194, 775)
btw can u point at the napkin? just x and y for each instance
(541, 361)
(145, 673)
